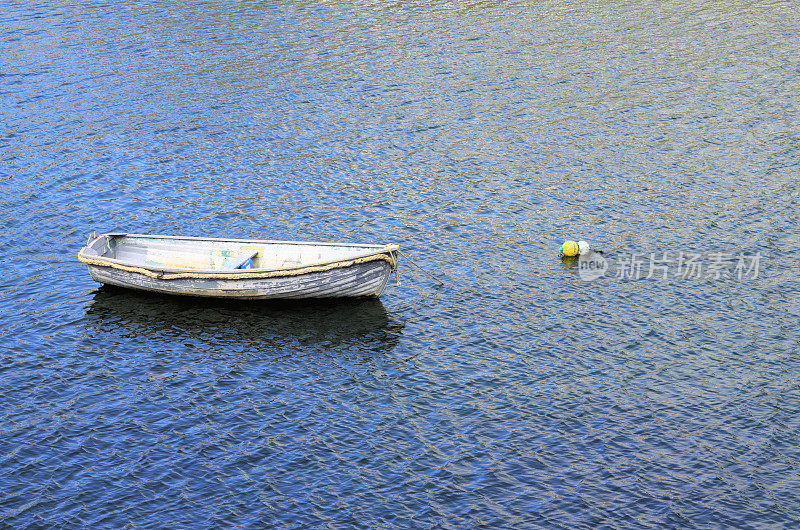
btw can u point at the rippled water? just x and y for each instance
(477, 136)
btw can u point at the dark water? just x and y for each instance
(478, 137)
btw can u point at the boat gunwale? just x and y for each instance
(110, 262)
(236, 240)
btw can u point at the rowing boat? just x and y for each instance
(238, 268)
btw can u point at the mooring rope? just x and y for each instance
(411, 261)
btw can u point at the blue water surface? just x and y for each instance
(477, 136)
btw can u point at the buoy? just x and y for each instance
(569, 249)
(583, 247)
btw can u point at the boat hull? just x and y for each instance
(211, 267)
(358, 280)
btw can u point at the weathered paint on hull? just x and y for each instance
(363, 279)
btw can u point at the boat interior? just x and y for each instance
(163, 252)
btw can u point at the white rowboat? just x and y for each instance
(239, 268)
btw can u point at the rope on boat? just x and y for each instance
(420, 268)
(162, 275)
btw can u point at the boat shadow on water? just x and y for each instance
(361, 323)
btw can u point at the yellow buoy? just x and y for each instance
(569, 249)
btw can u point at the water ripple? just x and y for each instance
(478, 136)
